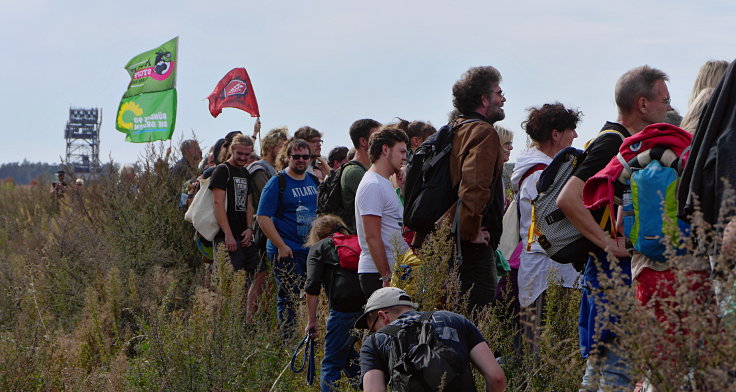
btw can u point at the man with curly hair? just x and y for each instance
(476, 167)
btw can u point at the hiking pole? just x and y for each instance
(308, 344)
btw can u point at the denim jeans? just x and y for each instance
(290, 274)
(340, 353)
(607, 371)
(591, 327)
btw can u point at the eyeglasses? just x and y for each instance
(297, 157)
(370, 329)
(508, 145)
(667, 101)
(317, 141)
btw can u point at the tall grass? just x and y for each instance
(103, 290)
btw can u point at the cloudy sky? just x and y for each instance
(328, 63)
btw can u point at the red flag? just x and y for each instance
(234, 91)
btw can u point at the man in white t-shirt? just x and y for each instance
(378, 211)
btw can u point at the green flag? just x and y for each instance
(154, 70)
(147, 117)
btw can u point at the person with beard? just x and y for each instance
(476, 167)
(285, 213)
(233, 203)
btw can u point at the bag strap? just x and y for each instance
(535, 168)
(604, 132)
(472, 120)
(532, 226)
(626, 166)
(393, 330)
(281, 180)
(314, 178)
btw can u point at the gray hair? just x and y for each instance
(636, 83)
(673, 117)
(187, 144)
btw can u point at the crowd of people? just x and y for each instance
(270, 216)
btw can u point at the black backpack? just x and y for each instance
(329, 193)
(418, 360)
(428, 192)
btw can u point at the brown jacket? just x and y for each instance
(476, 165)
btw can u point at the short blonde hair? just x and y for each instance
(504, 135)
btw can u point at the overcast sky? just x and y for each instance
(328, 63)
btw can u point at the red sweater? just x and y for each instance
(598, 190)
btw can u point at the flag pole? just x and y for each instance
(257, 132)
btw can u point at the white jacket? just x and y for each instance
(535, 266)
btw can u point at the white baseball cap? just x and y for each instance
(383, 298)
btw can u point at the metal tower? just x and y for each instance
(82, 136)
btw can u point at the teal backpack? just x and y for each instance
(650, 204)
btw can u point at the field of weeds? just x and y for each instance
(104, 290)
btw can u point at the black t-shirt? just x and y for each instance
(601, 151)
(236, 182)
(454, 330)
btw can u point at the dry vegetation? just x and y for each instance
(104, 291)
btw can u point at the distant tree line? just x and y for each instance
(24, 172)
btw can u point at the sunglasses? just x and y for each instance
(302, 157)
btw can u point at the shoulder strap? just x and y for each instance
(604, 132)
(228, 172)
(255, 166)
(393, 330)
(314, 178)
(626, 167)
(467, 121)
(535, 168)
(281, 179)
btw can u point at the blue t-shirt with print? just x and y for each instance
(297, 211)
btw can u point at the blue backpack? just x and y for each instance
(650, 204)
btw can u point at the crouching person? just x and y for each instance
(450, 340)
(345, 298)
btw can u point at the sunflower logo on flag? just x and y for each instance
(128, 107)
